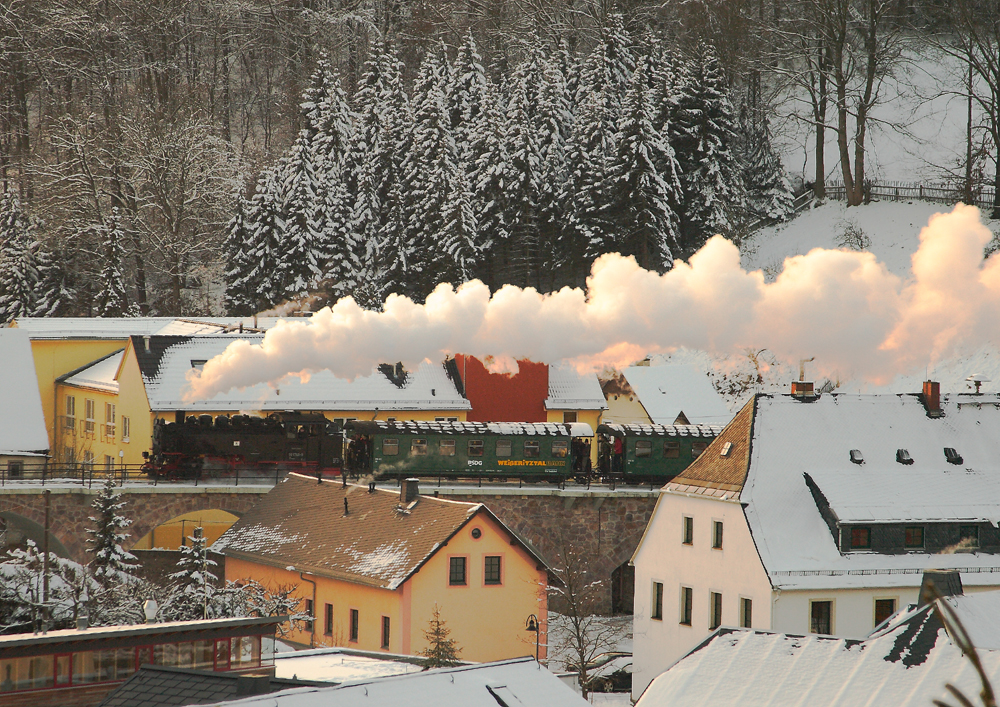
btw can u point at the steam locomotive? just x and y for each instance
(207, 447)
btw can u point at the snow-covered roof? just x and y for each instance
(99, 375)
(341, 664)
(637, 430)
(124, 327)
(782, 443)
(22, 423)
(907, 664)
(527, 429)
(668, 390)
(521, 681)
(301, 524)
(164, 372)
(571, 390)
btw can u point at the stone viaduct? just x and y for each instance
(599, 524)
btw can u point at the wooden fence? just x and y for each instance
(983, 195)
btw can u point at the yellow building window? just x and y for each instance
(109, 420)
(88, 460)
(90, 422)
(126, 428)
(70, 412)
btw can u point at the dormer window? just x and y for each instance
(952, 455)
(903, 456)
(857, 457)
(726, 449)
(198, 363)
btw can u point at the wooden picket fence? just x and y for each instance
(983, 196)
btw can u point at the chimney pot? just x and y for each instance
(145, 341)
(409, 489)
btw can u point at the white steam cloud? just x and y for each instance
(844, 307)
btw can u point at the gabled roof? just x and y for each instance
(667, 391)
(22, 423)
(713, 471)
(520, 682)
(161, 686)
(124, 327)
(301, 525)
(571, 390)
(99, 375)
(166, 365)
(782, 445)
(906, 664)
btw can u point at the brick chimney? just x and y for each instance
(409, 489)
(932, 398)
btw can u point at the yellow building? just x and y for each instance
(575, 397)
(371, 565)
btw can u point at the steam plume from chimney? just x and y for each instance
(845, 307)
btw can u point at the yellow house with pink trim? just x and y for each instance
(371, 565)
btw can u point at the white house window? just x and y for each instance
(715, 602)
(657, 602)
(717, 534)
(884, 608)
(687, 601)
(688, 537)
(746, 612)
(821, 617)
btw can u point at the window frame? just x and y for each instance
(354, 625)
(563, 448)
(857, 540)
(714, 610)
(531, 449)
(831, 618)
(110, 420)
(452, 575)
(687, 530)
(387, 444)
(476, 447)
(687, 606)
(310, 624)
(912, 546)
(328, 619)
(447, 447)
(386, 632)
(717, 534)
(509, 444)
(875, 602)
(962, 530)
(418, 447)
(126, 429)
(89, 412)
(698, 448)
(746, 612)
(488, 576)
(656, 601)
(647, 447)
(671, 449)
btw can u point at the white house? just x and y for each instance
(818, 514)
(905, 664)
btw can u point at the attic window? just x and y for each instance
(952, 456)
(903, 456)
(198, 363)
(726, 449)
(858, 458)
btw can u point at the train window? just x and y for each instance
(418, 447)
(697, 448)
(531, 448)
(503, 448)
(475, 447)
(671, 449)
(390, 447)
(560, 448)
(446, 447)
(643, 448)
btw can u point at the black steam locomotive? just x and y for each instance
(207, 447)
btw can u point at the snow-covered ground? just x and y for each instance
(336, 666)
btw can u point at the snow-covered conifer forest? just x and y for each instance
(224, 156)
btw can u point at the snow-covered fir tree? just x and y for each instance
(18, 275)
(193, 584)
(714, 196)
(769, 194)
(298, 265)
(467, 97)
(639, 201)
(441, 651)
(488, 159)
(264, 245)
(553, 126)
(54, 292)
(240, 298)
(112, 299)
(110, 560)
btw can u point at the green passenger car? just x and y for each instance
(650, 453)
(532, 451)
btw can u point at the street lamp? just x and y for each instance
(532, 625)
